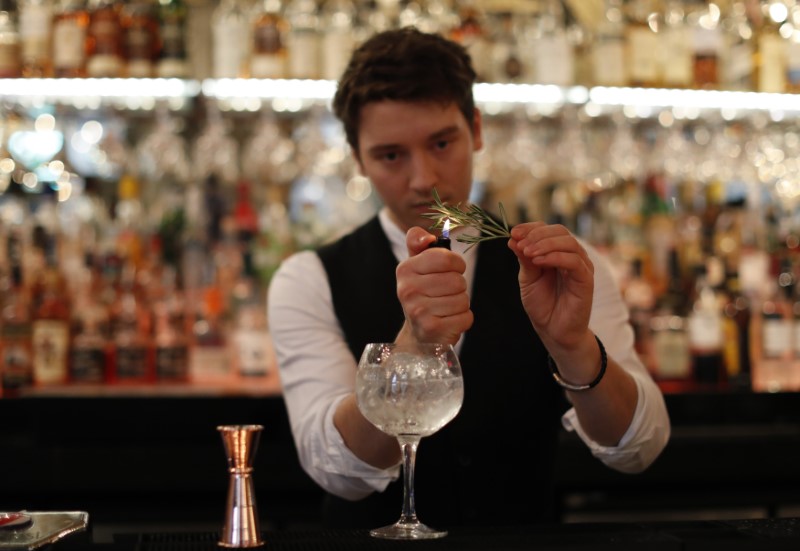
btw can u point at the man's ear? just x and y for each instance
(357, 159)
(477, 130)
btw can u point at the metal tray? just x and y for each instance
(45, 527)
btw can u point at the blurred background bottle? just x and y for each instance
(268, 58)
(104, 40)
(70, 26)
(35, 34)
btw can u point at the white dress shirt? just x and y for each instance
(317, 371)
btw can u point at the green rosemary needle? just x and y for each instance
(471, 217)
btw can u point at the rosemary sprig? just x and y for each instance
(473, 217)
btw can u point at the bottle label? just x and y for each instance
(34, 31)
(677, 58)
(139, 48)
(793, 63)
(771, 73)
(554, 61)
(172, 362)
(172, 40)
(776, 338)
(209, 362)
(739, 66)
(68, 38)
(643, 51)
(106, 32)
(267, 40)
(17, 361)
(131, 363)
(254, 352)
(230, 48)
(705, 332)
(268, 66)
(608, 60)
(671, 350)
(88, 365)
(337, 47)
(9, 60)
(104, 66)
(304, 54)
(50, 351)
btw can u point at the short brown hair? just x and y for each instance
(407, 65)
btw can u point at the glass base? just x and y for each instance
(407, 531)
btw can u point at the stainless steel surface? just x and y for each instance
(44, 528)
(241, 528)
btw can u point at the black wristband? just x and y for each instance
(579, 388)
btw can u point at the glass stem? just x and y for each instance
(408, 445)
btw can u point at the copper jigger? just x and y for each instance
(241, 517)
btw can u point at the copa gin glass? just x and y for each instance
(409, 391)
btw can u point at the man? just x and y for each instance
(530, 317)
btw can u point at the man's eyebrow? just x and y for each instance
(382, 148)
(444, 132)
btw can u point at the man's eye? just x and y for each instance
(442, 144)
(391, 156)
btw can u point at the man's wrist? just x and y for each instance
(576, 385)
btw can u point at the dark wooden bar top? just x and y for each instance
(141, 464)
(733, 535)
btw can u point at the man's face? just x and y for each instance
(408, 148)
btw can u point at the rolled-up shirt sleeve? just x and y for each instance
(649, 430)
(317, 372)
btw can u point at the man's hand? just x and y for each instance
(432, 291)
(556, 280)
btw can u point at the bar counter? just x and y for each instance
(141, 464)
(733, 535)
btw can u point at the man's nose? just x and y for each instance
(423, 173)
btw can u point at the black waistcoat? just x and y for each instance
(493, 463)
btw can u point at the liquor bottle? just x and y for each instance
(739, 50)
(705, 332)
(89, 353)
(140, 28)
(608, 49)
(771, 50)
(104, 53)
(35, 31)
(70, 26)
(507, 63)
(51, 324)
(670, 359)
(706, 44)
(16, 346)
(252, 345)
(210, 355)
(132, 345)
(472, 33)
(553, 55)
(677, 53)
(737, 333)
(231, 38)
(172, 59)
(268, 56)
(772, 344)
(642, 44)
(793, 55)
(10, 54)
(338, 41)
(641, 301)
(303, 39)
(170, 331)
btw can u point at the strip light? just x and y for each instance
(127, 92)
(136, 93)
